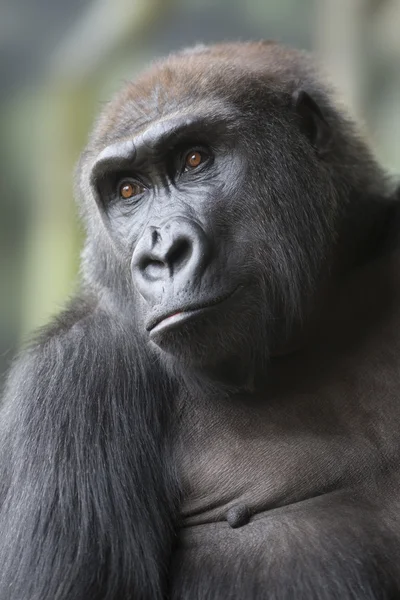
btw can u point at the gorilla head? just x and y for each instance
(223, 179)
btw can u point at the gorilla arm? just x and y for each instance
(76, 434)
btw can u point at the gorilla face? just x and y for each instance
(221, 215)
(173, 197)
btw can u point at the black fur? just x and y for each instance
(89, 494)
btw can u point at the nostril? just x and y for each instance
(151, 269)
(179, 253)
(154, 237)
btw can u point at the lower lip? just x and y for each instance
(175, 319)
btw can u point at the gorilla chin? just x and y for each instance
(190, 333)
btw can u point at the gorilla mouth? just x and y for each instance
(178, 315)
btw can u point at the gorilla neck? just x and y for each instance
(228, 377)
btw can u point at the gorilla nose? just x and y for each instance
(176, 252)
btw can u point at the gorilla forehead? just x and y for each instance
(144, 136)
(215, 79)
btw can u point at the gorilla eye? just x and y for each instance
(193, 159)
(128, 189)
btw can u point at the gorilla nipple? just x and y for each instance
(238, 515)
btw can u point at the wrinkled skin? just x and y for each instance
(216, 414)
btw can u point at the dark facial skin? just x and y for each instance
(169, 229)
(216, 414)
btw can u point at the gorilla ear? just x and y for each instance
(312, 121)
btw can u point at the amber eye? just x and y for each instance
(129, 189)
(193, 159)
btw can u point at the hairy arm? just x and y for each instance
(86, 489)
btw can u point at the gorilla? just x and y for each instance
(216, 414)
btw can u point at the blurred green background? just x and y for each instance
(60, 60)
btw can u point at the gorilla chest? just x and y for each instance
(239, 457)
